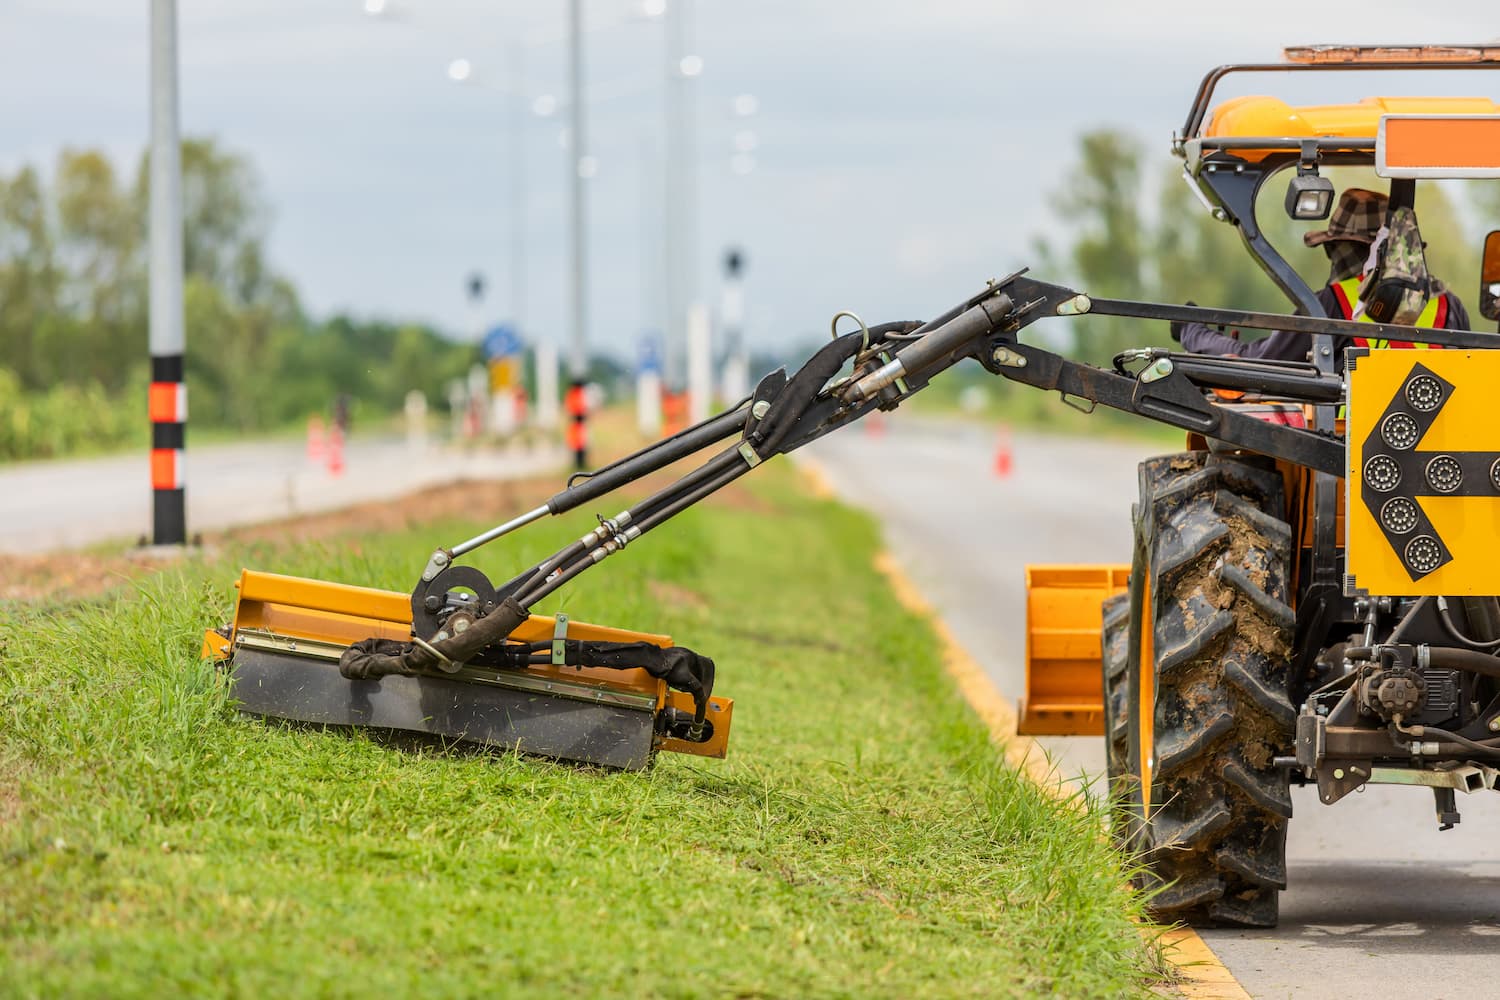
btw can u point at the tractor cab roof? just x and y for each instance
(1271, 116)
(1254, 128)
(1231, 148)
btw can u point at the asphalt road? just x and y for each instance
(71, 504)
(1379, 903)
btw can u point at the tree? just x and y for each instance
(1100, 202)
(29, 276)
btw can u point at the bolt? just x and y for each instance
(433, 602)
(1338, 773)
(441, 558)
(1076, 306)
(760, 409)
(461, 625)
(1326, 351)
(1161, 369)
(1495, 724)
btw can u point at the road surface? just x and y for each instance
(1379, 903)
(70, 504)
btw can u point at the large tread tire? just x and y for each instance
(1115, 654)
(1213, 558)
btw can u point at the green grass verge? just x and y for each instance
(861, 840)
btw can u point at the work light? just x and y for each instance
(1309, 196)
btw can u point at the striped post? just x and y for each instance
(168, 397)
(578, 431)
(168, 406)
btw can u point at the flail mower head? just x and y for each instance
(289, 635)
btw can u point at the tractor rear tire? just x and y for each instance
(1210, 637)
(1115, 654)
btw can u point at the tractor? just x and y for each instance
(1310, 599)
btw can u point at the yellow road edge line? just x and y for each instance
(1201, 975)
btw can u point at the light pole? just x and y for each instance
(736, 377)
(462, 71)
(578, 150)
(688, 332)
(677, 196)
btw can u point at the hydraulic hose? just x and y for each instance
(563, 560)
(377, 657)
(1471, 660)
(658, 456)
(1449, 626)
(681, 501)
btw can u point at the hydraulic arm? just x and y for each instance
(459, 622)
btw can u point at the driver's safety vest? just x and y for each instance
(1434, 315)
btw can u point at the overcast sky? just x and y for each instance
(905, 149)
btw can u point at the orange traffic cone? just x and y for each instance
(315, 440)
(335, 451)
(674, 407)
(1002, 453)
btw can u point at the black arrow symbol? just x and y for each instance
(1396, 473)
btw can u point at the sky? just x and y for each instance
(903, 152)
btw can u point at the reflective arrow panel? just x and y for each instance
(1423, 514)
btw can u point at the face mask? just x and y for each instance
(1346, 259)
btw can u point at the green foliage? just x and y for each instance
(73, 313)
(863, 838)
(1184, 253)
(68, 419)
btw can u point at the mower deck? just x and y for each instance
(283, 646)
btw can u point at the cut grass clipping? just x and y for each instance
(862, 839)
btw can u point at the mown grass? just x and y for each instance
(863, 838)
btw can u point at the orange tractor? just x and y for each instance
(1311, 598)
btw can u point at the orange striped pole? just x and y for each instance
(578, 432)
(167, 403)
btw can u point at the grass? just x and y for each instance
(863, 838)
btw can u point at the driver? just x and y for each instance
(1351, 231)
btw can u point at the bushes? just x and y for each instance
(68, 419)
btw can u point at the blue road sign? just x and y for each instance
(503, 341)
(648, 354)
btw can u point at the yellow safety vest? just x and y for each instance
(1434, 315)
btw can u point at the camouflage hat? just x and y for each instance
(1358, 217)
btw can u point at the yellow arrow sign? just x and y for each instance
(1423, 497)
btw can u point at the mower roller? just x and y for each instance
(1311, 598)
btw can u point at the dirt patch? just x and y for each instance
(65, 576)
(10, 794)
(480, 501)
(675, 595)
(72, 576)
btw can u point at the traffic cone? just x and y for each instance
(674, 412)
(1003, 453)
(335, 451)
(315, 441)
